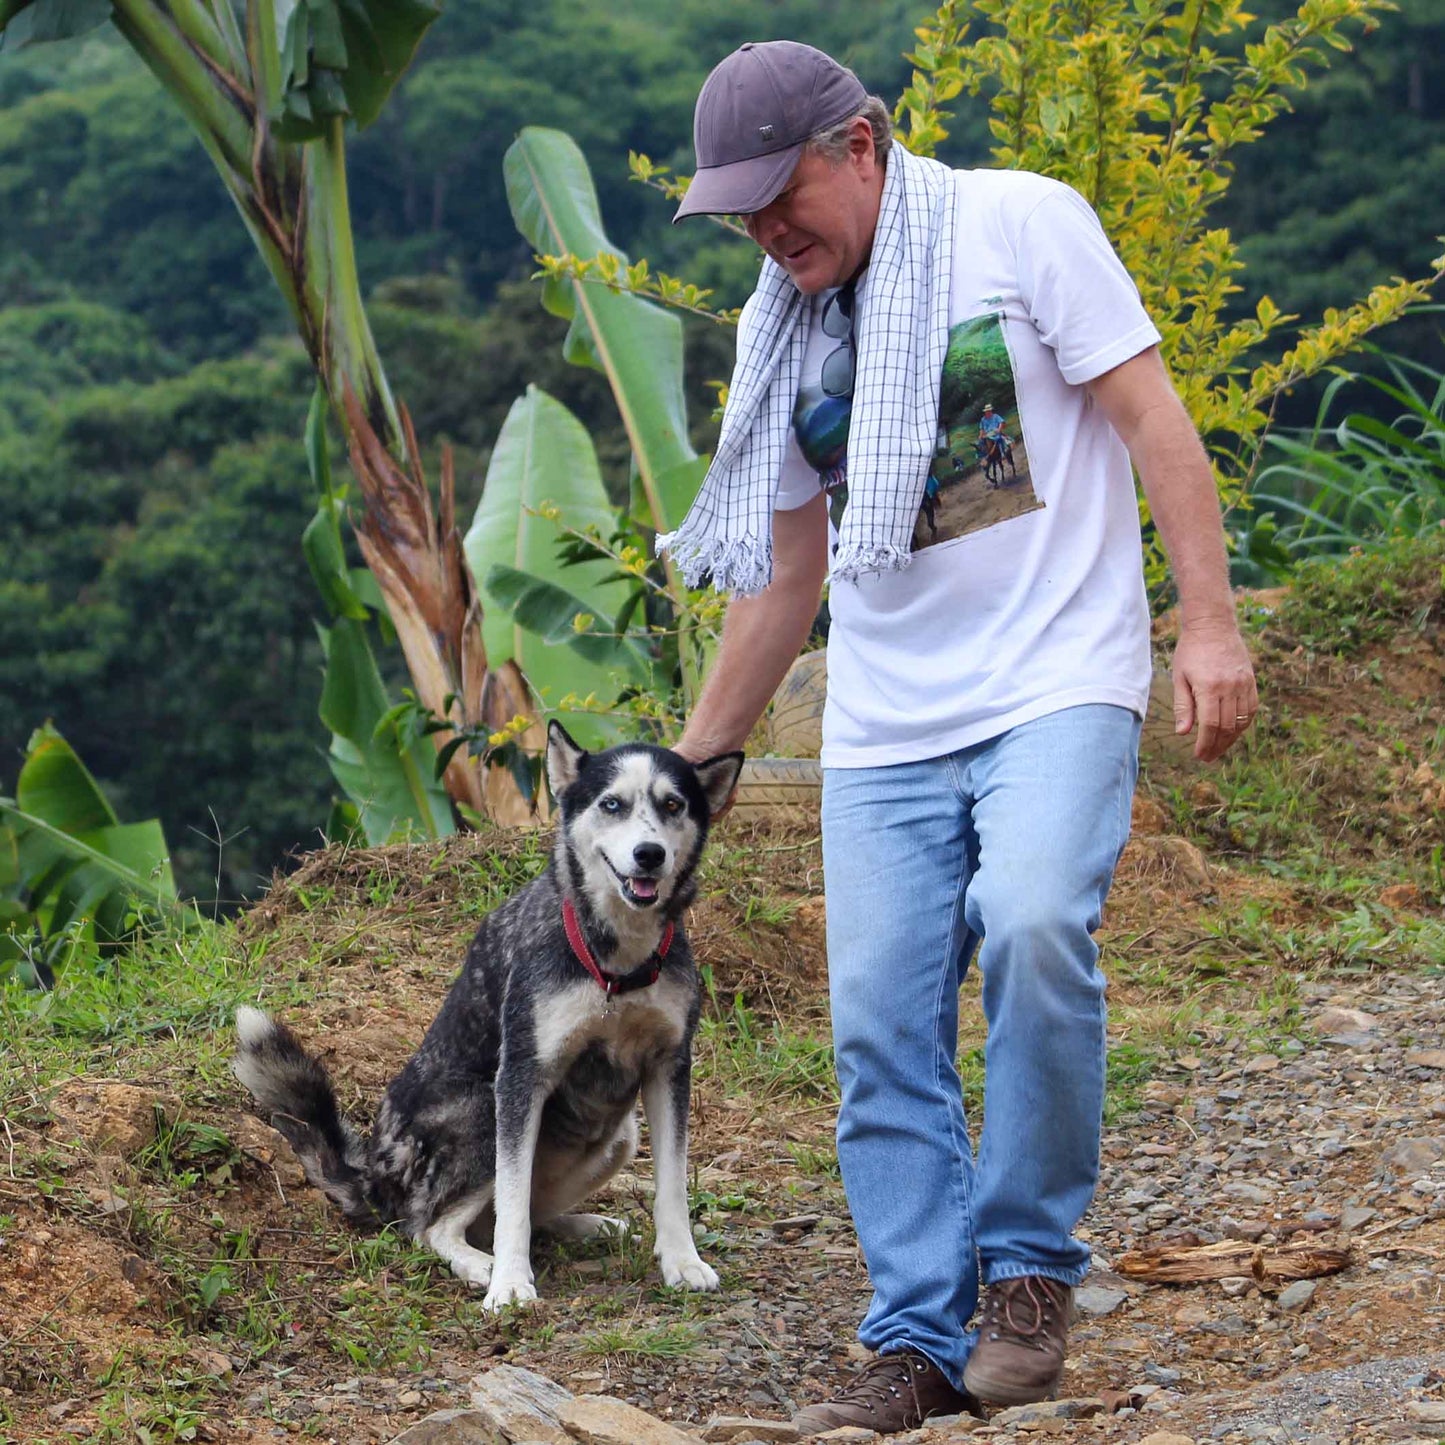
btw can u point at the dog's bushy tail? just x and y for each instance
(296, 1092)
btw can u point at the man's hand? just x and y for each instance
(695, 756)
(1214, 689)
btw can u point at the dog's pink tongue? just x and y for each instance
(644, 887)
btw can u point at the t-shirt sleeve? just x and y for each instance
(797, 482)
(1083, 303)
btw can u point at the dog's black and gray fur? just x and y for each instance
(520, 1101)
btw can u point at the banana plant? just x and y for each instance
(73, 877)
(636, 344)
(386, 773)
(268, 88)
(558, 622)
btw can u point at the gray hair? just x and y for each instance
(832, 143)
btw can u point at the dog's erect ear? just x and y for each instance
(564, 759)
(719, 776)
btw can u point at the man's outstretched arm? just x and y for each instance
(761, 636)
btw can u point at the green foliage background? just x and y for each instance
(153, 597)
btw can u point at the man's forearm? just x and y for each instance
(761, 637)
(1174, 470)
(1179, 486)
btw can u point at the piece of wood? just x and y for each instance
(1231, 1259)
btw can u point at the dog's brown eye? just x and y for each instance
(672, 806)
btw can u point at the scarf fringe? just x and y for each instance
(861, 559)
(743, 566)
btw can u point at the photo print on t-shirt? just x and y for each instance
(980, 471)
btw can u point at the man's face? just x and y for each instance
(819, 228)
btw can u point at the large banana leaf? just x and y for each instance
(636, 344)
(66, 859)
(31, 22)
(542, 456)
(556, 615)
(341, 58)
(390, 776)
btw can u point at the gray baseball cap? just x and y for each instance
(754, 113)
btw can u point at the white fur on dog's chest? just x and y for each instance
(633, 1027)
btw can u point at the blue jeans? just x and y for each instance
(1009, 847)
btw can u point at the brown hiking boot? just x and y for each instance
(893, 1392)
(1022, 1333)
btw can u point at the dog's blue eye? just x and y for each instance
(611, 805)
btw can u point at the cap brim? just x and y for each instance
(740, 188)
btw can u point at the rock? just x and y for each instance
(1297, 1296)
(521, 1405)
(409, 1397)
(1250, 1230)
(1337, 1020)
(1359, 1039)
(1096, 1301)
(1413, 1156)
(1166, 1437)
(1432, 1412)
(850, 1435)
(1426, 1058)
(1080, 1408)
(451, 1427)
(1262, 1064)
(795, 1224)
(1246, 1193)
(1356, 1216)
(743, 1427)
(112, 1118)
(601, 1420)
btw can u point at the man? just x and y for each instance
(985, 691)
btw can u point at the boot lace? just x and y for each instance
(879, 1380)
(1026, 1309)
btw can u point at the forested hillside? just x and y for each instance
(153, 597)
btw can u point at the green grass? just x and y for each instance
(665, 1342)
(763, 1060)
(1339, 606)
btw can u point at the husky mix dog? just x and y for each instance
(577, 994)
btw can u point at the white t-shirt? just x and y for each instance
(1026, 590)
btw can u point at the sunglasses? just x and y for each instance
(840, 364)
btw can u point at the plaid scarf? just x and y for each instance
(902, 334)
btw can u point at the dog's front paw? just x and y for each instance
(472, 1266)
(687, 1271)
(509, 1289)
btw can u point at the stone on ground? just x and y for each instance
(599, 1420)
(744, 1427)
(452, 1427)
(521, 1405)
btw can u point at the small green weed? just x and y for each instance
(814, 1163)
(765, 1061)
(665, 1342)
